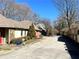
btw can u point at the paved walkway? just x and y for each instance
(48, 48)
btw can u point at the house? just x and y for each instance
(41, 26)
(73, 32)
(29, 23)
(11, 29)
(64, 31)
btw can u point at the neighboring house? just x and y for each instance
(64, 31)
(74, 31)
(11, 29)
(41, 26)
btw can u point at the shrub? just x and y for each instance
(16, 41)
(31, 32)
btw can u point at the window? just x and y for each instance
(78, 32)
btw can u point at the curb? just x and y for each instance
(6, 52)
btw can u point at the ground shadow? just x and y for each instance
(72, 47)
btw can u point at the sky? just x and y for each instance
(44, 8)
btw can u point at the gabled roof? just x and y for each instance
(5, 22)
(65, 29)
(27, 23)
(9, 23)
(41, 26)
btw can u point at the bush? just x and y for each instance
(31, 33)
(16, 41)
(25, 38)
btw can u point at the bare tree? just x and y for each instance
(48, 27)
(20, 12)
(4, 5)
(60, 24)
(68, 10)
(10, 9)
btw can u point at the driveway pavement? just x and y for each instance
(47, 48)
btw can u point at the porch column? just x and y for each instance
(25, 33)
(21, 33)
(8, 36)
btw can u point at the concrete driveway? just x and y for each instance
(47, 48)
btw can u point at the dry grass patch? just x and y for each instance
(5, 47)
